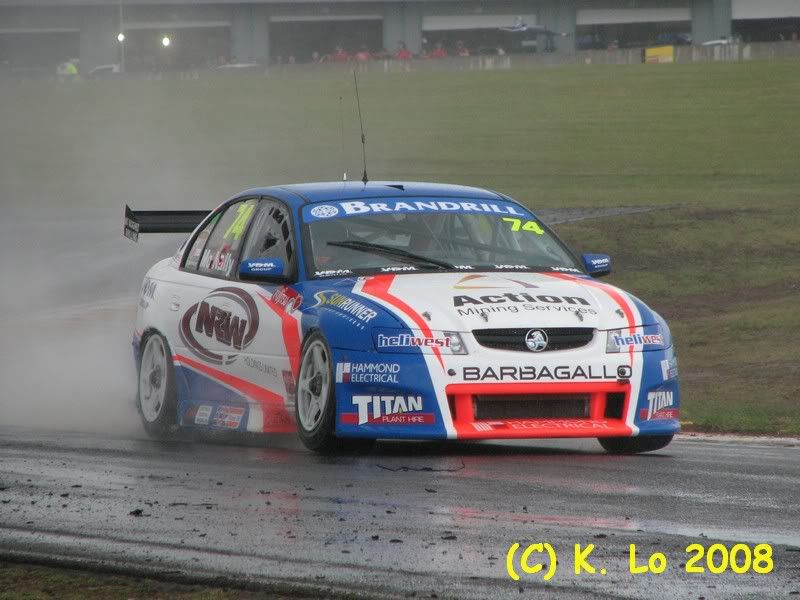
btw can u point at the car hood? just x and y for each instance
(465, 301)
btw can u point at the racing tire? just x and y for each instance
(156, 399)
(315, 404)
(634, 445)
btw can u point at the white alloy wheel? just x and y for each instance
(314, 383)
(153, 379)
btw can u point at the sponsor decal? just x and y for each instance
(260, 365)
(485, 282)
(536, 340)
(388, 410)
(580, 424)
(287, 298)
(227, 417)
(261, 266)
(400, 269)
(669, 368)
(333, 273)
(149, 288)
(218, 335)
(514, 302)
(511, 267)
(405, 340)
(358, 207)
(521, 297)
(412, 341)
(148, 291)
(357, 312)
(203, 414)
(545, 373)
(599, 262)
(660, 405)
(367, 373)
(324, 211)
(565, 270)
(473, 311)
(638, 339)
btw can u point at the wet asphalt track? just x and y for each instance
(409, 517)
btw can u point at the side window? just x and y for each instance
(193, 259)
(271, 235)
(226, 238)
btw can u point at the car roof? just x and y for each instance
(302, 193)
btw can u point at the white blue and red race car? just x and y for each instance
(352, 312)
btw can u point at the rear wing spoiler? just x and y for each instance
(161, 221)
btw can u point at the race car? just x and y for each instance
(351, 312)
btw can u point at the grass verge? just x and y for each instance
(28, 582)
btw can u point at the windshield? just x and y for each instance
(345, 238)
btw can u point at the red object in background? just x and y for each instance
(341, 55)
(438, 52)
(362, 56)
(403, 54)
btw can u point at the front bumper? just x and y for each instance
(606, 404)
(424, 397)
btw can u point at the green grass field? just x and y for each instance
(717, 143)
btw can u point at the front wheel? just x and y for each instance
(634, 445)
(315, 406)
(156, 399)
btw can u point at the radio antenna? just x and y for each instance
(364, 177)
(341, 137)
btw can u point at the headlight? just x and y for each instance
(456, 343)
(639, 339)
(410, 341)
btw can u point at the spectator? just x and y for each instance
(362, 55)
(461, 49)
(500, 51)
(403, 53)
(438, 51)
(340, 55)
(315, 57)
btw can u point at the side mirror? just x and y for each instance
(262, 269)
(596, 265)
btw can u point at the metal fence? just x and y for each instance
(629, 56)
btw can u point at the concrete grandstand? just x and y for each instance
(183, 34)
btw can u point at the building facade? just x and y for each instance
(145, 34)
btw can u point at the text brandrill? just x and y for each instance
(357, 207)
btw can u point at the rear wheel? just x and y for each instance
(156, 399)
(634, 445)
(315, 406)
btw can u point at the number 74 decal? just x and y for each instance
(520, 225)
